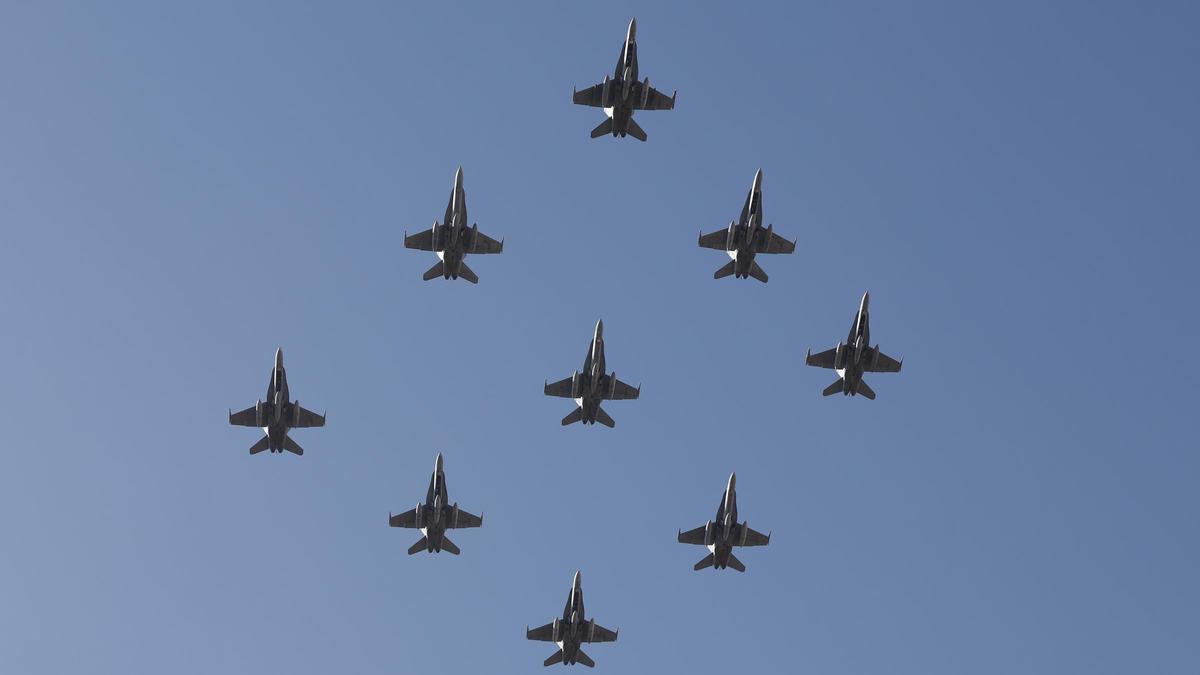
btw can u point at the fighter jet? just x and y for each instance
(435, 516)
(452, 240)
(746, 238)
(854, 357)
(277, 415)
(722, 534)
(623, 94)
(591, 386)
(571, 631)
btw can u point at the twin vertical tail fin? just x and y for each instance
(757, 272)
(586, 660)
(262, 444)
(421, 545)
(449, 547)
(725, 271)
(556, 657)
(436, 271)
(466, 273)
(603, 418)
(605, 127)
(292, 446)
(707, 562)
(736, 564)
(863, 389)
(835, 388)
(575, 416)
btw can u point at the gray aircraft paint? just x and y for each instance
(855, 356)
(746, 238)
(277, 415)
(435, 516)
(571, 630)
(621, 95)
(452, 239)
(591, 386)
(723, 533)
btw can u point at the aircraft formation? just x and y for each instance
(452, 240)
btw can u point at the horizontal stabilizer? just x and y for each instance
(634, 130)
(736, 564)
(435, 271)
(586, 660)
(292, 446)
(725, 271)
(575, 416)
(757, 272)
(605, 127)
(421, 545)
(467, 273)
(835, 388)
(556, 657)
(449, 547)
(864, 390)
(603, 418)
(707, 562)
(262, 444)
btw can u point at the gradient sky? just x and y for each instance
(183, 189)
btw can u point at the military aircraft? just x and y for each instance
(591, 386)
(435, 516)
(722, 534)
(571, 631)
(277, 415)
(854, 357)
(746, 238)
(452, 240)
(623, 94)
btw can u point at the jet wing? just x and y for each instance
(485, 244)
(599, 633)
(464, 519)
(623, 391)
(308, 418)
(753, 538)
(656, 100)
(561, 389)
(422, 240)
(245, 418)
(541, 633)
(591, 96)
(406, 519)
(824, 359)
(695, 536)
(776, 244)
(716, 240)
(884, 364)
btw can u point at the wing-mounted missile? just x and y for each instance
(556, 631)
(766, 239)
(708, 534)
(420, 515)
(296, 414)
(575, 385)
(645, 92)
(612, 384)
(454, 515)
(731, 238)
(745, 533)
(591, 630)
(875, 357)
(258, 414)
(605, 93)
(839, 357)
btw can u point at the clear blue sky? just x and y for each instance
(184, 189)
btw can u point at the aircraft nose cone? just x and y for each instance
(578, 581)
(279, 357)
(632, 34)
(600, 329)
(732, 480)
(866, 300)
(437, 463)
(758, 178)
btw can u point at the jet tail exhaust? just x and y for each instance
(436, 271)
(634, 130)
(449, 547)
(421, 545)
(736, 564)
(835, 388)
(725, 271)
(556, 657)
(605, 127)
(292, 446)
(575, 416)
(603, 418)
(705, 563)
(262, 444)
